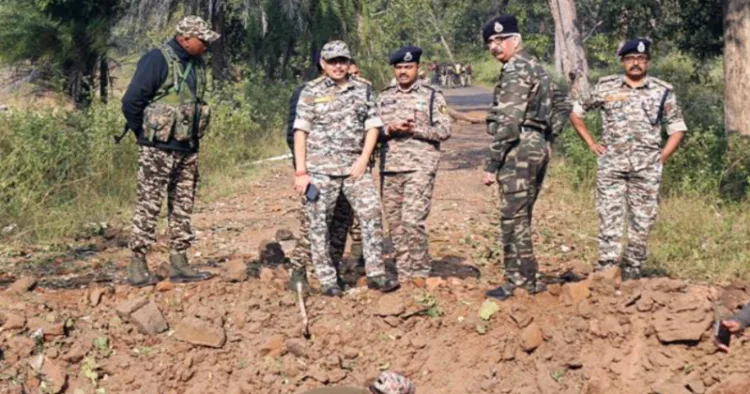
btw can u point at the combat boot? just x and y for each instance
(631, 273)
(503, 292)
(181, 272)
(299, 275)
(383, 283)
(535, 286)
(333, 290)
(138, 273)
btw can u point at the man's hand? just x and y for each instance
(358, 169)
(401, 127)
(663, 158)
(301, 182)
(734, 327)
(548, 150)
(598, 150)
(488, 179)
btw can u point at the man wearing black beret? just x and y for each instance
(520, 123)
(631, 159)
(416, 122)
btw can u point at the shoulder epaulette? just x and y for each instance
(360, 79)
(315, 81)
(609, 78)
(662, 83)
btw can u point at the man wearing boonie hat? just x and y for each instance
(634, 106)
(165, 109)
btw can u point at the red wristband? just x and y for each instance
(300, 173)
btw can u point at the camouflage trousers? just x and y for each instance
(177, 173)
(343, 222)
(363, 197)
(520, 179)
(407, 199)
(616, 191)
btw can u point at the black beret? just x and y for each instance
(638, 45)
(316, 60)
(406, 55)
(503, 25)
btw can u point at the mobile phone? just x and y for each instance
(723, 336)
(312, 193)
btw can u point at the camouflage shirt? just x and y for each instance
(336, 120)
(632, 130)
(523, 98)
(420, 150)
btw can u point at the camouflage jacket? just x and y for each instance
(420, 150)
(336, 120)
(632, 125)
(523, 98)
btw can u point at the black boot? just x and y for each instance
(138, 273)
(503, 292)
(331, 290)
(383, 283)
(181, 272)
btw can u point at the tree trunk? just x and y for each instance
(571, 55)
(219, 56)
(736, 71)
(439, 32)
(104, 79)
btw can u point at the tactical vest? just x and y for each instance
(175, 112)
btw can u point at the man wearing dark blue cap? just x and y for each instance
(416, 122)
(520, 123)
(631, 159)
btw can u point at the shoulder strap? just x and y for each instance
(660, 114)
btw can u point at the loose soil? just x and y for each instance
(80, 330)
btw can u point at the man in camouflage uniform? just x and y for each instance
(343, 218)
(335, 133)
(164, 107)
(630, 159)
(519, 122)
(416, 122)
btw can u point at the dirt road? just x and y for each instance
(239, 335)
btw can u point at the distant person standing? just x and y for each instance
(468, 74)
(631, 160)
(164, 106)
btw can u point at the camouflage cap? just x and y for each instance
(335, 49)
(392, 383)
(195, 26)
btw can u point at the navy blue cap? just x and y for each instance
(406, 55)
(638, 45)
(503, 25)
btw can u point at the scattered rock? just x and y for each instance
(54, 376)
(271, 253)
(266, 275)
(573, 293)
(521, 316)
(78, 351)
(433, 283)
(555, 289)
(390, 305)
(199, 332)
(531, 337)
(12, 321)
(149, 319)
(695, 384)
(669, 388)
(126, 308)
(297, 347)
(95, 296)
(236, 271)
(683, 327)
(581, 268)
(273, 347)
(418, 341)
(164, 286)
(283, 234)
(22, 285)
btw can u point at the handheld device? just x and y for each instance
(312, 193)
(723, 335)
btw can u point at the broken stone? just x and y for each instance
(297, 347)
(433, 283)
(573, 293)
(12, 321)
(53, 376)
(682, 327)
(95, 296)
(271, 253)
(418, 342)
(236, 271)
(126, 308)
(266, 275)
(22, 285)
(390, 305)
(199, 332)
(164, 286)
(531, 337)
(555, 289)
(274, 347)
(283, 234)
(149, 319)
